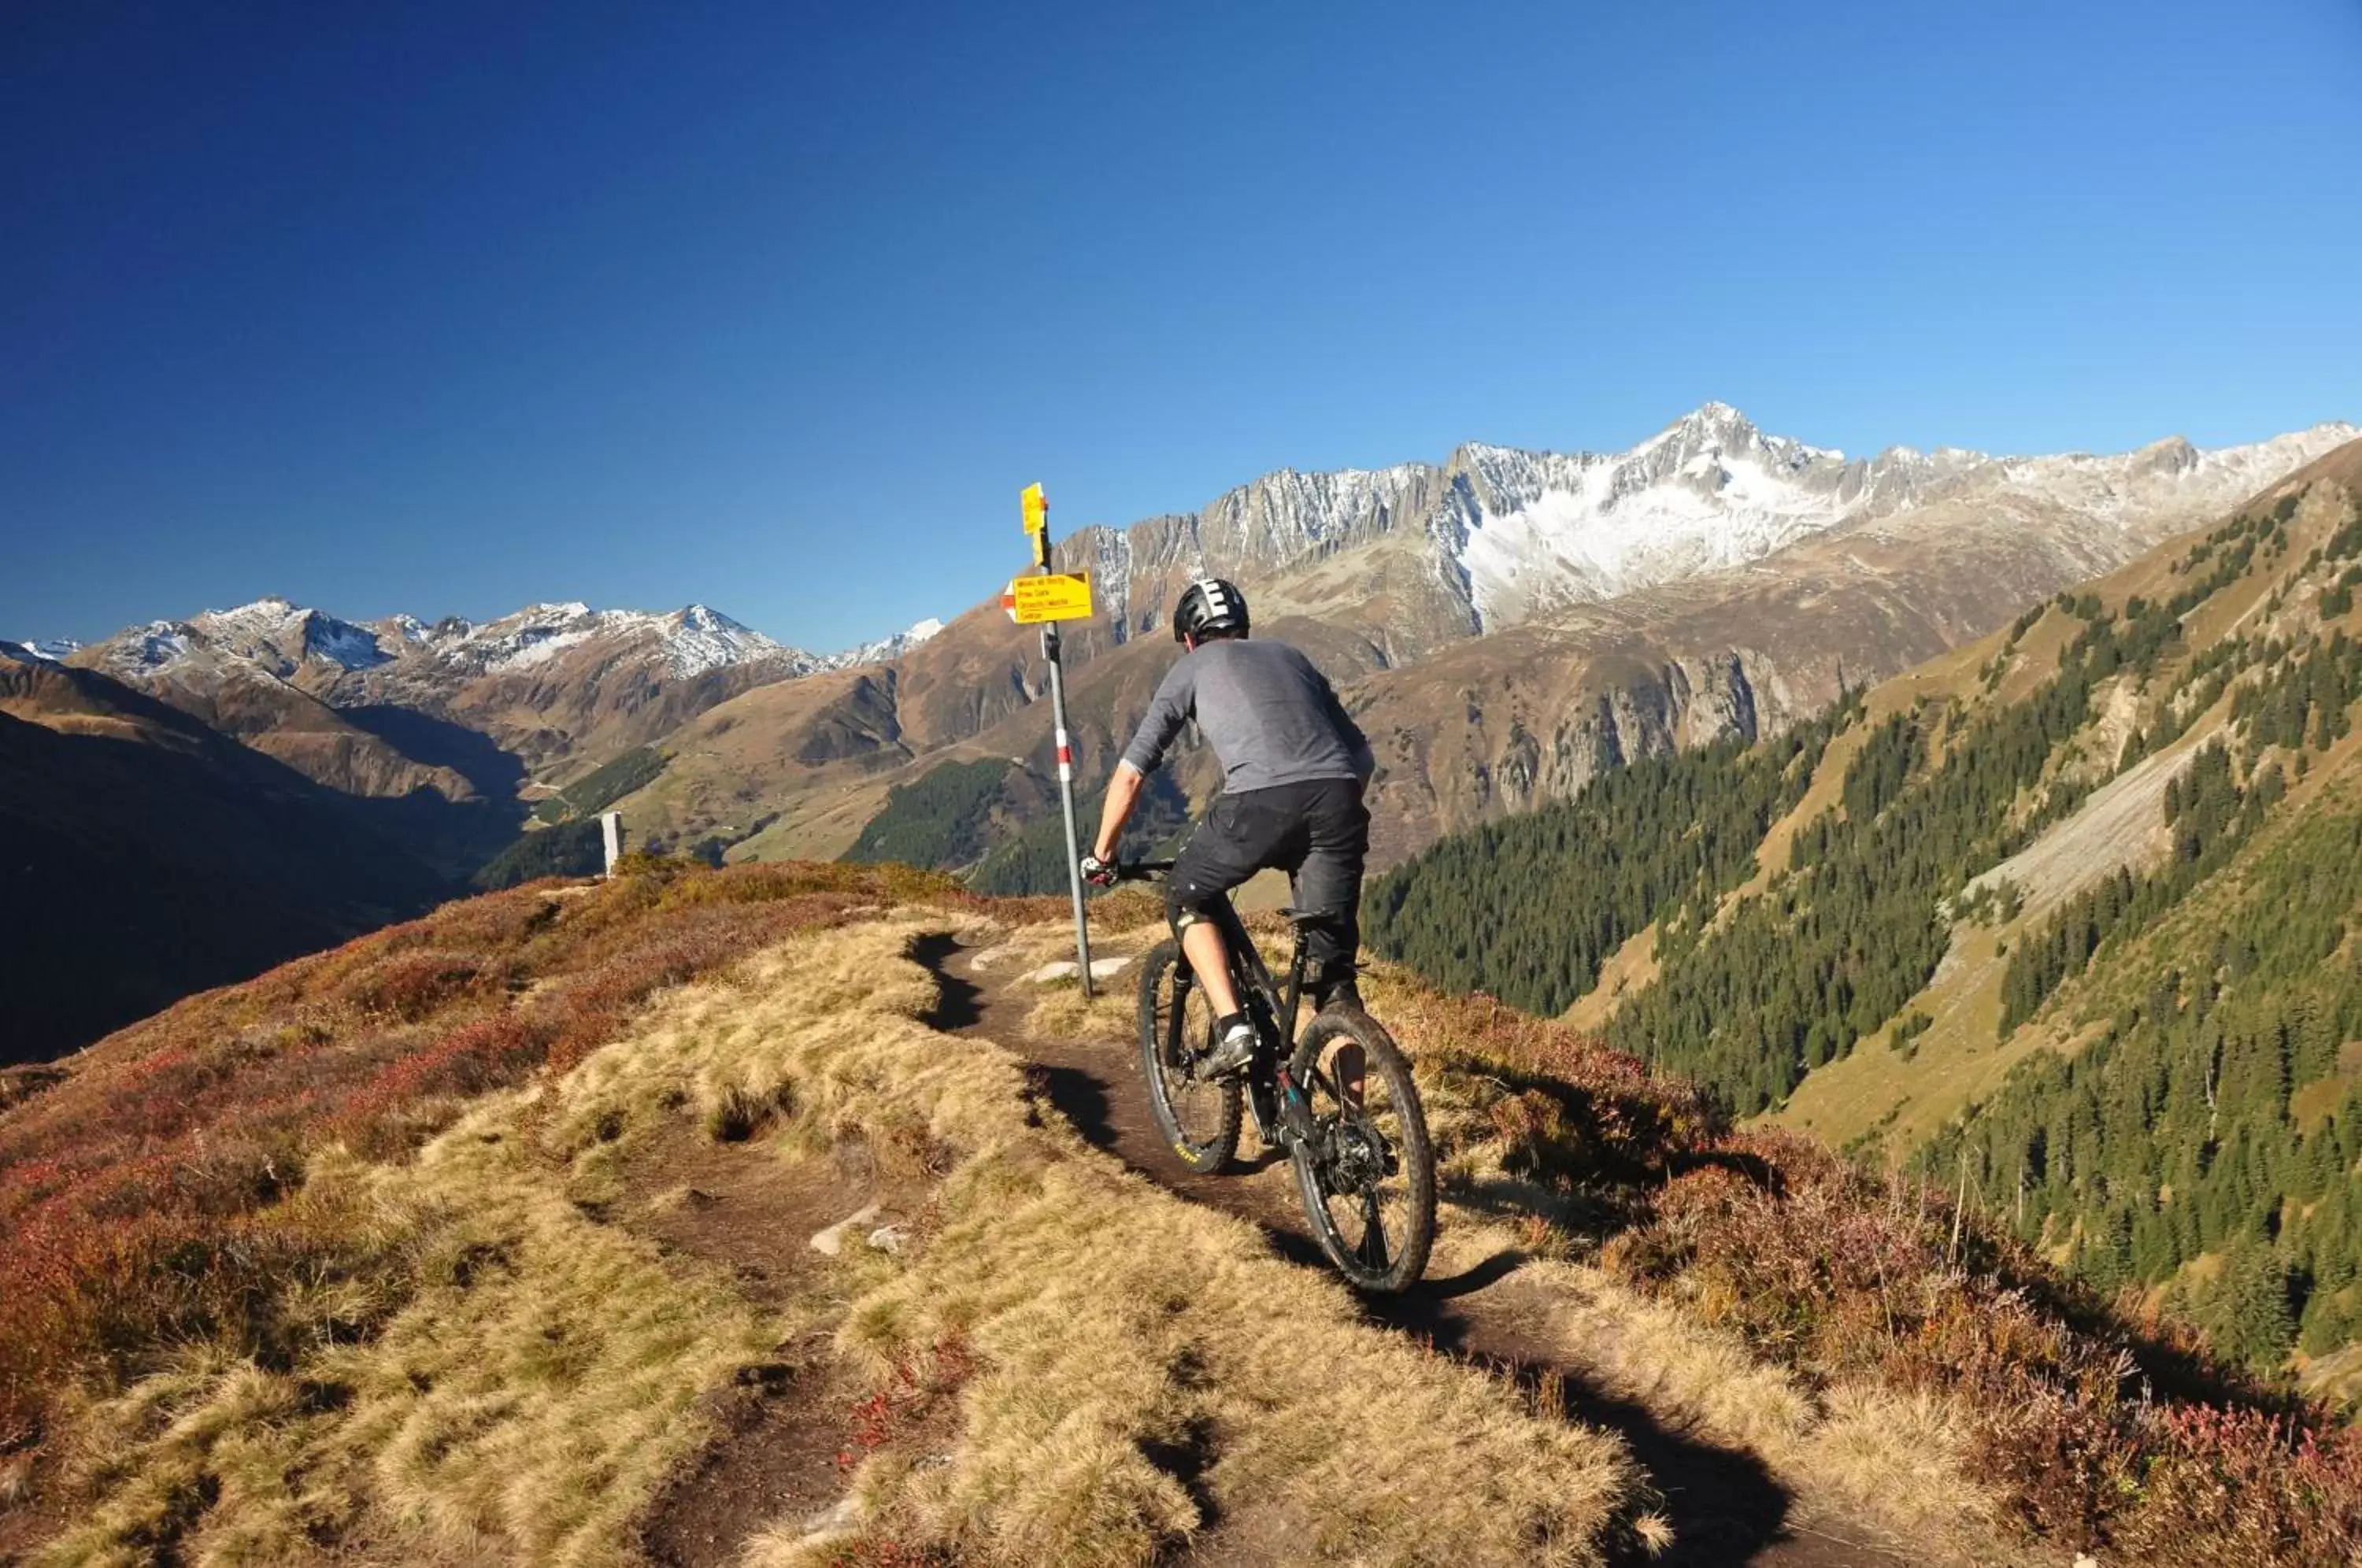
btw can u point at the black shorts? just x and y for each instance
(1317, 832)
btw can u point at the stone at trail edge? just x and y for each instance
(829, 1242)
(1066, 970)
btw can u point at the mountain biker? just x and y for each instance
(1294, 767)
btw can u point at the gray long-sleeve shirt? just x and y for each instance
(1270, 716)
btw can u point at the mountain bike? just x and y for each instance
(1338, 1099)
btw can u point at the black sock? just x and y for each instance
(1228, 1021)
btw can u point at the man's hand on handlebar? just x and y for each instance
(1101, 873)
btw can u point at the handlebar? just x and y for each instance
(1142, 870)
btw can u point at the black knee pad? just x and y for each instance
(1181, 912)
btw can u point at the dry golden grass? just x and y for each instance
(1059, 1011)
(1070, 1364)
(1112, 1328)
(479, 1369)
(1852, 1449)
(1112, 1360)
(1873, 1457)
(1115, 1321)
(523, 1405)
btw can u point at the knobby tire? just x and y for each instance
(1199, 1121)
(1391, 1254)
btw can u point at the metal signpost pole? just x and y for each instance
(1037, 523)
(1067, 798)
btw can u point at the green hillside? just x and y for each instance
(1033, 859)
(2072, 936)
(939, 822)
(603, 786)
(570, 849)
(1663, 839)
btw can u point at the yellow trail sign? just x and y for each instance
(1054, 596)
(1037, 508)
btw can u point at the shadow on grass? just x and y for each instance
(959, 1003)
(1724, 1505)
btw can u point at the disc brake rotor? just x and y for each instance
(1358, 1157)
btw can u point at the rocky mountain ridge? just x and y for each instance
(453, 711)
(308, 646)
(447, 733)
(1504, 535)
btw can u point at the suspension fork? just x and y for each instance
(1176, 1034)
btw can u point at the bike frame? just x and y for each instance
(1275, 1009)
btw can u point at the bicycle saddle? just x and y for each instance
(1307, 917)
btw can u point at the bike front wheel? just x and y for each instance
(1366, 1172)
(1197, 1117)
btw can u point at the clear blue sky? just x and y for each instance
(445, 308)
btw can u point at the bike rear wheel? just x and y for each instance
(1199, 1117)
(1367, 1174)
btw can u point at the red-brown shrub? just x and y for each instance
(2092, 1429)
(409, 986)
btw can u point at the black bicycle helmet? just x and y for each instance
(1209, 604)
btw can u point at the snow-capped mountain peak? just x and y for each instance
(277, 637)
(689, 641)
(884, 649)
(273, 634)
(1532, 531)
(697, 639)
(1709, 424)
(704, 618)
(50, 650)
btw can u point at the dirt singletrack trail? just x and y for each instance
(1725, 1505)
(779, 1428)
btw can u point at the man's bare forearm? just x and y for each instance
(1124, 793)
